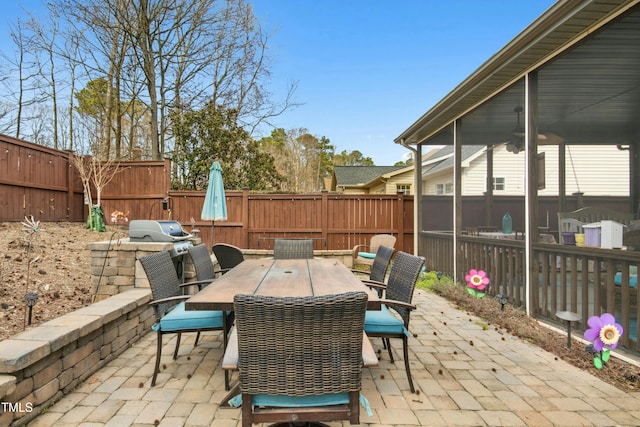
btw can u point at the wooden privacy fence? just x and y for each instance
(36, 180)
(335, 221)
(39, 181)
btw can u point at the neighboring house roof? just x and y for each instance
(443, 159)
(358, 176)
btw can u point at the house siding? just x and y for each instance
(377, 189)
(431, 183)
(593, 170)
(405, 178)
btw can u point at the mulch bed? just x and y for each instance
(512, 320)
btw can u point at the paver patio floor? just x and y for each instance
(465, 376)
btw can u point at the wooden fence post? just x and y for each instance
(400, 220)
(70, 188)
(167, 177)
(324, 211)
(245, 218)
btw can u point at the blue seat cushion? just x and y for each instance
(383, 321)
(269, 400)
(180, 319)
(633, 279)
(300, 401)
(366, 255)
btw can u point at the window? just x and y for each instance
(403, 188)
(498, 184)
(446, 188)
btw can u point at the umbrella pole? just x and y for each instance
(212, 239)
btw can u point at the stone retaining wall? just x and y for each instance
(43, 363)
(115, 267)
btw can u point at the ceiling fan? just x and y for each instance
(516, 143)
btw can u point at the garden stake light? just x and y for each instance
(569, 317)
(503, 300)
(32, 228)
(31, 298)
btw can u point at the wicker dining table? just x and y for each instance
(282, 277)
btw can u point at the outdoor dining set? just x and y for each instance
(296, 329)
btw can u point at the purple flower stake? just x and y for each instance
(477, 281)
(605, 334)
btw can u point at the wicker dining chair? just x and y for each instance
(168, 306)
(228, 256)
(398, 294)
(205, 270)
(300, 358)
(365, 254)
(293, 249)
(380, 266)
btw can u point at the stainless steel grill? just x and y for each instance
(142, 230)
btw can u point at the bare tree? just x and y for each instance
(157, 56)
(72, 46)
(43, 43)
(239, 67)
(94, 174)
(24, 71)
(95, 31)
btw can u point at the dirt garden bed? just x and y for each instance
(513, 321)
(52, 262)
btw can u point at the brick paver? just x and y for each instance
(466, 375)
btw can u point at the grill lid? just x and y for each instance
(142, 230)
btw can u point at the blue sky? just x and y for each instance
(367, 69)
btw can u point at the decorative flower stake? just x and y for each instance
(477, 281)
(605, 334)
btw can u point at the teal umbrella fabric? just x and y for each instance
(215, 204)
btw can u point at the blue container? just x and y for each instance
(507, 225)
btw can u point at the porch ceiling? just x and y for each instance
(588, 94)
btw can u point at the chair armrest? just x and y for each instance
(177, 298)
(230, 357)
(374, 284)
(356, 271)
(398, 304)
(199, 283)
(369, 356)
(378, 286)
(359, 248)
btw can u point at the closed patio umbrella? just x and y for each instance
(215, 204)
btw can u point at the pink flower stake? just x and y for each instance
(477, 281)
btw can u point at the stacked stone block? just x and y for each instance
(43, 363)
(115, 266)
